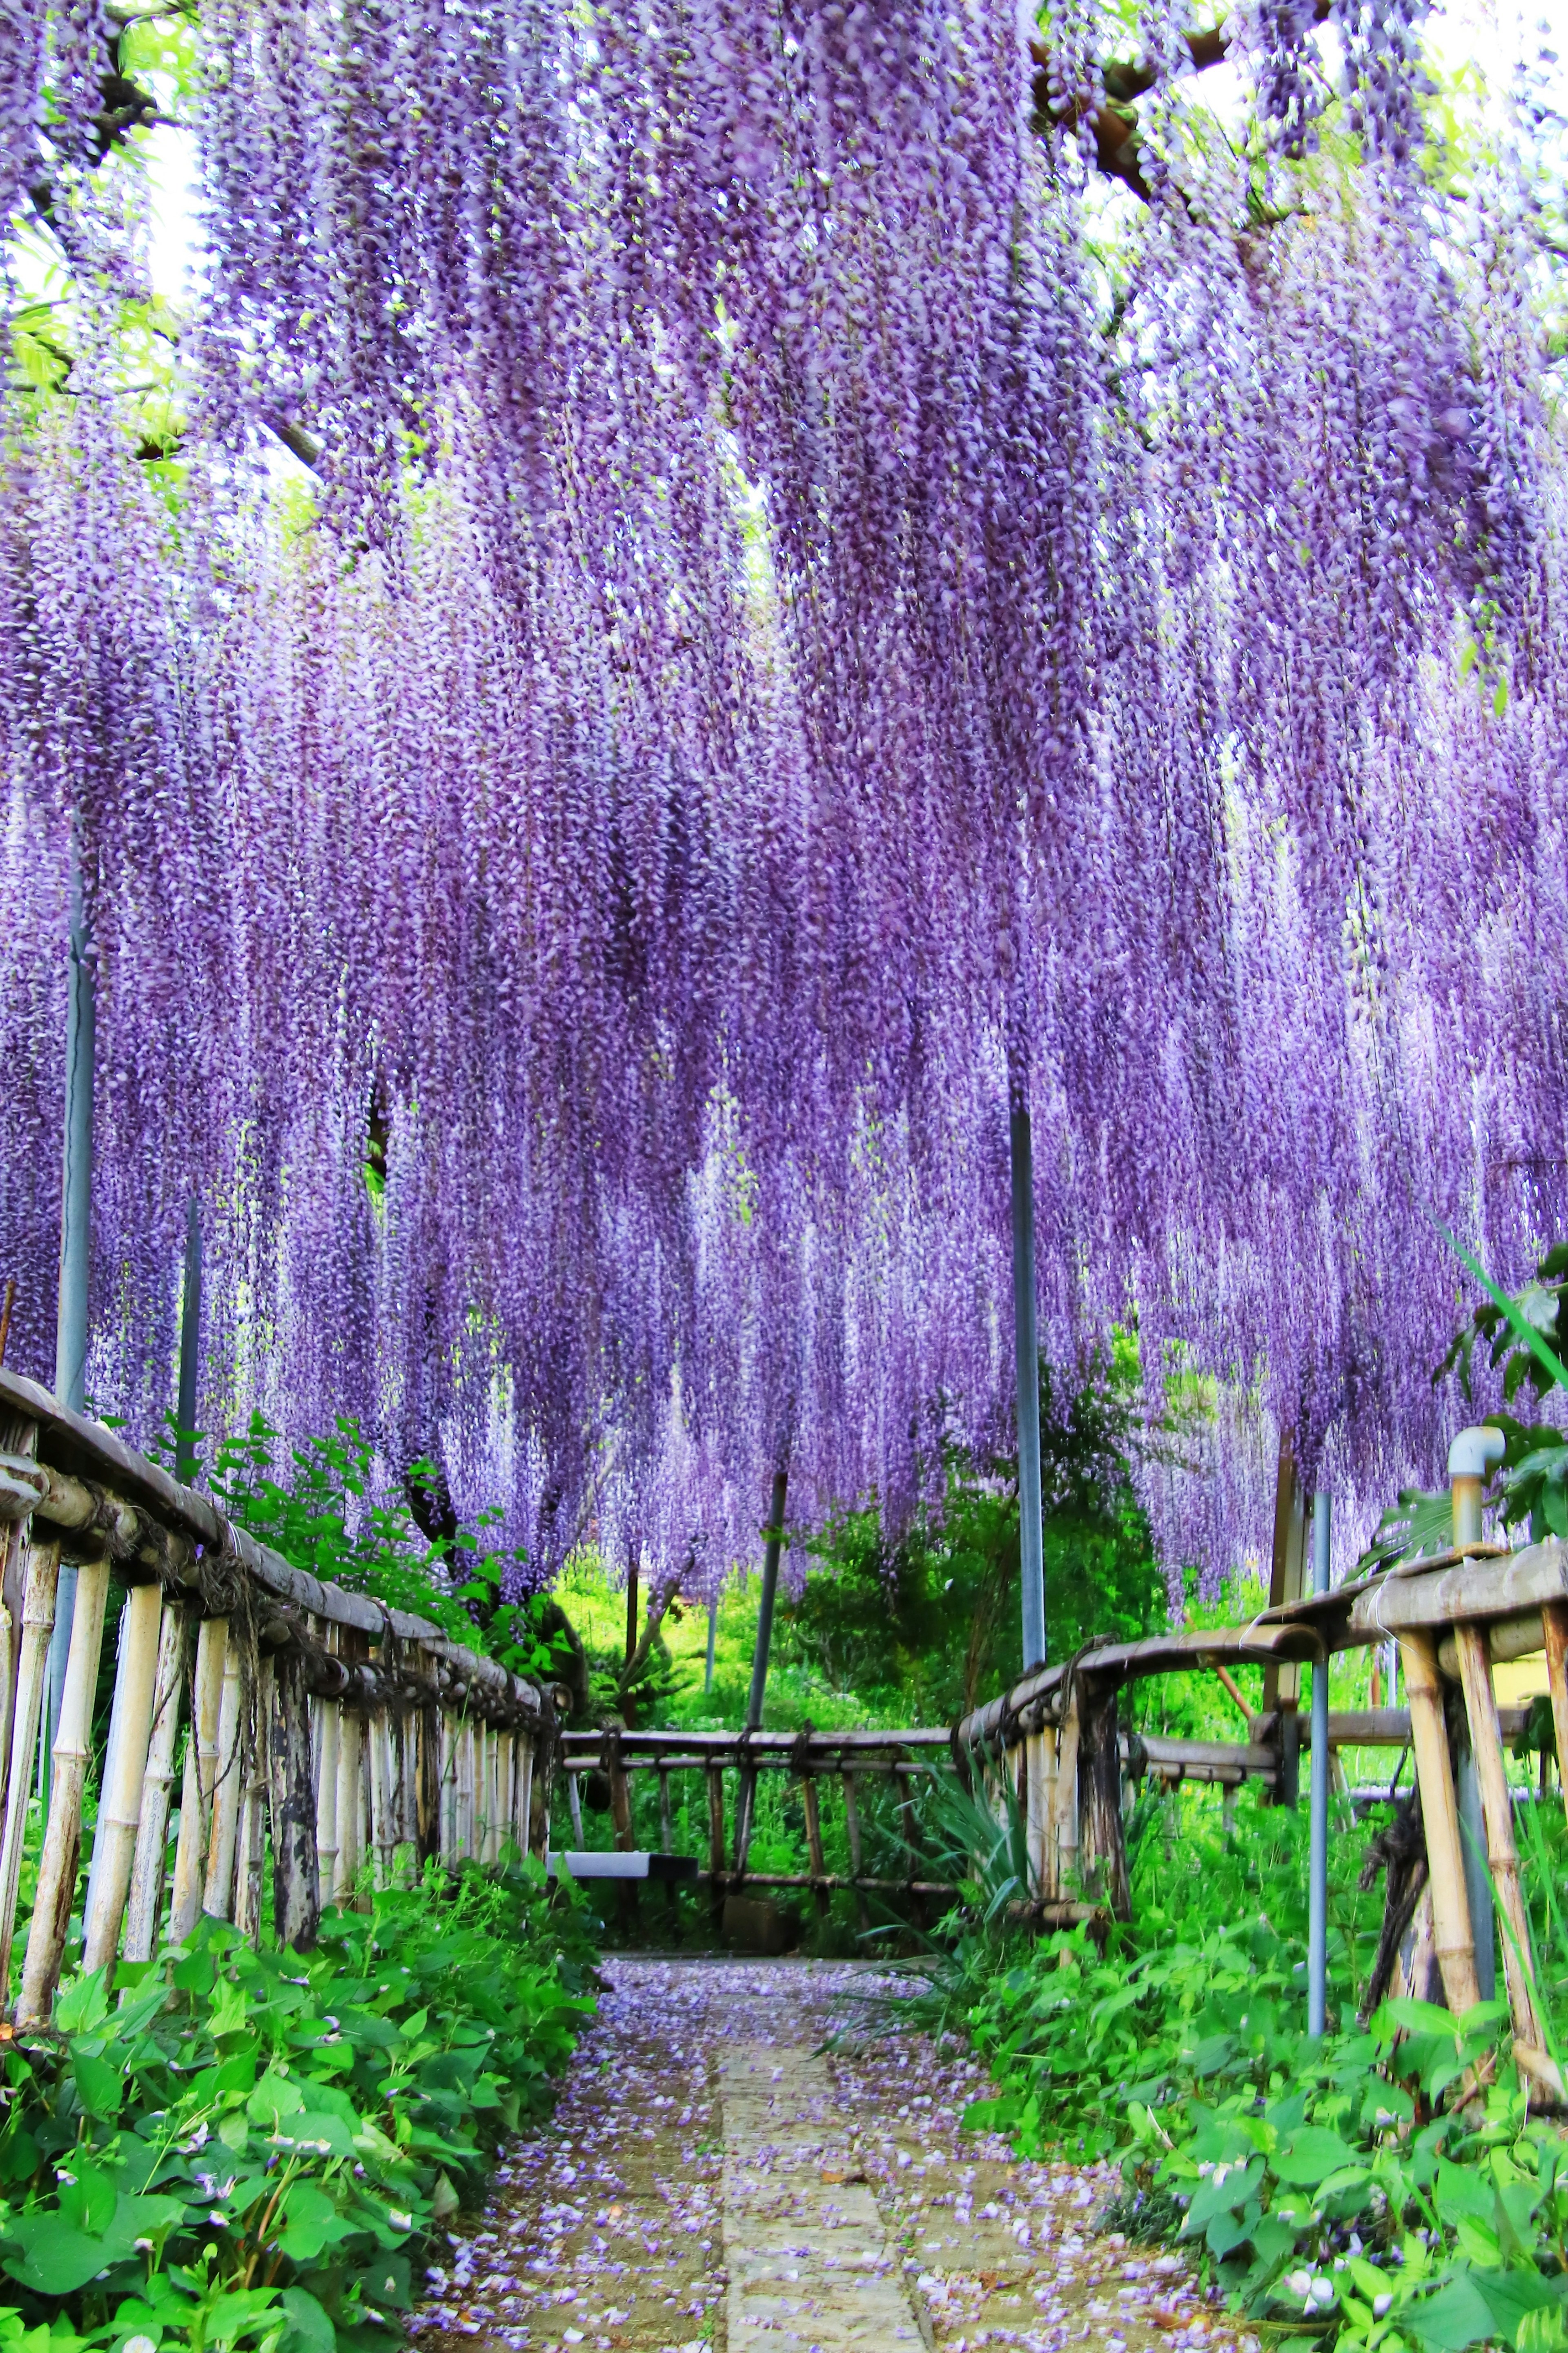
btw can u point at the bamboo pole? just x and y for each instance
(327, 1802)
(201, 1776)
(62, 1838)
(125, 1771)
(229, 1789)
(525, 1801)
(1062, 1845)
(41, 1575)
(377, 1763)
(666, 1834)
(151, 1858)
(1555, 1630)
(18, 1438)
(1037, 1812)
(351, 1806)
(492, 1796)
(426, 1784)
(1440, 1815)
(251, 1843)
(468, 1804)
(447, 1846)
(296, 1861)
(1497, 1811)
(852, 1832)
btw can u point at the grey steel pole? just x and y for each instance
(76, 1242)
(1318, 1874)
(190, 1347)
(1027, 1366)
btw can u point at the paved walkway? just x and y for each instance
(711, 2179)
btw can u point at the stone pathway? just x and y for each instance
(711, 2179)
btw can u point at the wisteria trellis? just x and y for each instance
(765, 674)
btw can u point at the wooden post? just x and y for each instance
(62, 1840)
(201, 1774)
(666, 1834)
(716, 1845)
(808, 1799)
(149, 1861)
(621, 1816)
(229, 1789)
(41, 1571)
(1440, 1817)
(296, 1861)
(1282, 1683)
(124, 1770)
(852, 1833)
(1497, 1810)
(1099, 1786)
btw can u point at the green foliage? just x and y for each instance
(1387, 2188)
(929, 1623)
(318, 1510)
(250, 2148)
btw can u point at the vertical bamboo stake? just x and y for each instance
(1061, 1844)
(62, 1840)
(350, 1798)
(1497, 1810)
(147, 1867)
(666, 1834)
(251, 1843)
(1440, 1815)
(852, 1832)
(201, 1775)
(296, 1861)
(327, 1801)
(525, 1798)
(1554, 1623)
(18, 1436)
(124, 1770)
(42, 1572)
(229, 1789)
(467, 1804)
(427, 1784)
(383, 1828)
(492, 1795)
(808, 1799)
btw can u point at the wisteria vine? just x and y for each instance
(763, 675)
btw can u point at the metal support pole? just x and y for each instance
(75, 1244)
(1026, 1364)
(190, 1347)
(1318, 1875)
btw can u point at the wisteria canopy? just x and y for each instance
(835, 581)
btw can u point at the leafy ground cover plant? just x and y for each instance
(249, 2148)
(1387, 2187)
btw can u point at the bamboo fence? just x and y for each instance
(320, 1729)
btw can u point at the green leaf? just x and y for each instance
(314, 2135)
(1311, 2155)
(83, 2005)
(309, 2329)
(100, 2086)
(1550, 1361)
(1221, 2196)
(1458, 2315)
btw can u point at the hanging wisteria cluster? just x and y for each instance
(765, 675)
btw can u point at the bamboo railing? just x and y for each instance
(318, 1724)
(1056, 1743)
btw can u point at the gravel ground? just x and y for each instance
(607, 2228)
